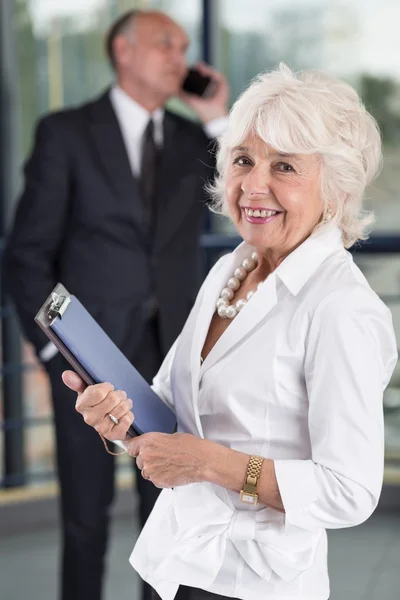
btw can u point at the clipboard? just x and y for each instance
(95, 357)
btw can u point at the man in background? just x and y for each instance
(113, 208)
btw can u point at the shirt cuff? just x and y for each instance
(298, 490)
(216, 127)
(120, 443)
(48, 352)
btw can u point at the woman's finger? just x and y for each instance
(139, 462)
(119, 411)
(95, 395)
(73, 381)
(96, 413)
(93, 398)
(115, 432)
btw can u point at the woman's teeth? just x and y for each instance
(260, 213)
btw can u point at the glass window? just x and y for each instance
(61, 62)
(354, 39)
(60, 50)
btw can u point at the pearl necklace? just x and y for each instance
(225, 308)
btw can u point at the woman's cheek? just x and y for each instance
(232, 195)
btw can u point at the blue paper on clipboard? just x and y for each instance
(65, 317)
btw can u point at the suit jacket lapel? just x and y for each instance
(113, 157)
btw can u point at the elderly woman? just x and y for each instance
(278, 375)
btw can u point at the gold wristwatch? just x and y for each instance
(249, 492)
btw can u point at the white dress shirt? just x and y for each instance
(133, 120)
(297, 377)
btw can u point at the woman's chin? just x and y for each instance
(259, 240)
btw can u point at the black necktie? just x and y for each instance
(148, 174)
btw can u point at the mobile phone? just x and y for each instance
(198, 84)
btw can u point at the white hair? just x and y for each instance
(310, 113)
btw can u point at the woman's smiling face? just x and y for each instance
(273, 199)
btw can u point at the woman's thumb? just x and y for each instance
(73, 381)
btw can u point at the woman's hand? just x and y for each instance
(171, 460)
(96, 402)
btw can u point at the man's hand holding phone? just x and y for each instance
(209, 92)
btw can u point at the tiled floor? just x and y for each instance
(364, 563)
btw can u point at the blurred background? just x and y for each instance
(51, 53)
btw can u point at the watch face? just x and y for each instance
(248, 498)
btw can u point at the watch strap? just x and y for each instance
(249, 493)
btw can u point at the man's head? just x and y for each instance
(147, 51)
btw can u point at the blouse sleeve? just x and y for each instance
(350, 355)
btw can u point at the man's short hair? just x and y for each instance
(119, 27)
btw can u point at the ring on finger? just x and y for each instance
(113, 418)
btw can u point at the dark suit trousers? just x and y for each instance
(86, 474)
(189, 593)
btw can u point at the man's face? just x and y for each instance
(152, 56)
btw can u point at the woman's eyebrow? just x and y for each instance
(273, 155)
(286, 155)
(240, 149)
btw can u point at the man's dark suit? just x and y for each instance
(80, 222)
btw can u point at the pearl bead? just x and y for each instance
(240, 304)
(240, 273)
(259, 285)
(224, 308)
(227, 293)
(221, 310)
(231, 312)
(249, 264)
(222, 302)
(234, 283)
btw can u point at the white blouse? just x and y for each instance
(297, 377)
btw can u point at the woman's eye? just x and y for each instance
(285, 167)
(242, 161)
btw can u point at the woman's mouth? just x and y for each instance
(260, 216)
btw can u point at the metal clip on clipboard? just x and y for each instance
(96, 358)
(58, 306)
(55, 308)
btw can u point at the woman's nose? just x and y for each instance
(257, 183)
